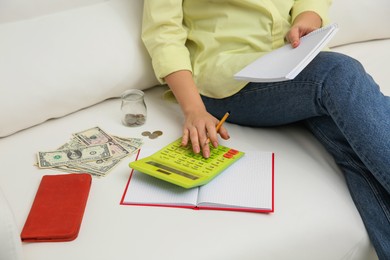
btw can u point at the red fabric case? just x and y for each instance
(58, 208)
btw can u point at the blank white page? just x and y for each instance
(247, 183)
(145, 189)
(286, 62)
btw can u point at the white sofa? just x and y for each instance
(62, 66)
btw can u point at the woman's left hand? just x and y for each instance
(303, 24)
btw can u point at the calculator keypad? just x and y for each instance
(179, 165)
(185, 159)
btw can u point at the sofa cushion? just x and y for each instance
(16, 10)
(10, 244)
(55, 64)
(360, 20)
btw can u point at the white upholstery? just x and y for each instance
(10, 244)
(58, 63)
(70, 59)
(360, 20)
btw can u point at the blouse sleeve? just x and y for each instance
(321, 7)
(165, 36)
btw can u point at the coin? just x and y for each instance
(153, 135)
(146, 133)
(158, 133)
(134, 119)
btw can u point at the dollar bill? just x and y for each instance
(96, 135)
(82, 154)
(73, 143)
(100, 167)
(132, 145)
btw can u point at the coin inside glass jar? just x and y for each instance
(134, 119)
(133, 108)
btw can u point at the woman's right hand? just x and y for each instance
(199, 129)
(198, 124)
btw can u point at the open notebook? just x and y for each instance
(286, 62)
(247, 185)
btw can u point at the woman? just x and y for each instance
(198, 45)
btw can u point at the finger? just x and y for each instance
(223, 132)
(194, 140)
(293, 37)
(212, 135)
(203, 135)
(206, 150)
(202, 139)
(185, 137)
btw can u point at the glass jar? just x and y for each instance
(133, 108)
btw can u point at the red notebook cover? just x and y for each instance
(58, 208)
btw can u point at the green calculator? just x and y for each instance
(181, 166)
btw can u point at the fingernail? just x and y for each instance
(196, 149)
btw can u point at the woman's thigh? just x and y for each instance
(278, 103)
(269, 104)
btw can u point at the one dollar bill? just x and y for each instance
(96, 135)
(77, 155)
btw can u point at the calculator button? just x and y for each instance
(228, 155)
(233, 151)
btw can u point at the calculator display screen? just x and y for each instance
(168, 170)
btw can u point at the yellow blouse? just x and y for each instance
(214, 39)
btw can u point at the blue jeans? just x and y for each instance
(343, 107)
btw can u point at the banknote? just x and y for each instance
(66, 156)
(100, 167)
(96, 135)
(73, 143)
(130, 144)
